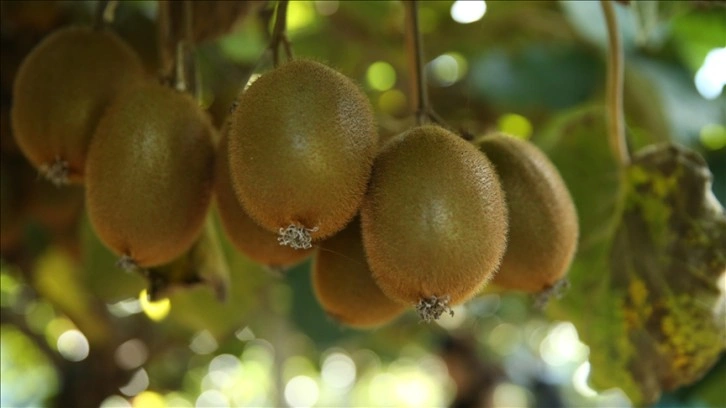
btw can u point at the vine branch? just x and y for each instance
(176, 50)
(279, 34)
(414, 49)
(105, 13)
(616, 119)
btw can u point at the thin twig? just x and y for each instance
(616, 119)
(414, 49)
(105, 13)
(279, 34)
(176, 46)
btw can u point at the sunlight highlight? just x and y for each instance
(468, 11)
(711, 77)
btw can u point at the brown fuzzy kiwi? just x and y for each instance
(249, 238)
(302, 143)
(543, 226)
(150, 175)
(434, 220)
(60, 92)
(343, 283)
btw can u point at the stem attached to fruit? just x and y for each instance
(279, 35)
(415, 62)
(616, 119)
(414, 48)
(176, 48)
(431, 308)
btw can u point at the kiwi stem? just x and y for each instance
(431, 308)
(414, 47)
(176, 50)
(56, 172)
(105, 13)
(296, 237)
(616, 117)
(279, 34)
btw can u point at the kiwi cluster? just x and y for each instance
(423, 221)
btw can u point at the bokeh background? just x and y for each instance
(77, 331)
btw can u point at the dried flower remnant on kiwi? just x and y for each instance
(127, 264)
(431, 308)
(57, 172)
(297, 237)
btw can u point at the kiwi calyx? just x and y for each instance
(296, 236)
(431, 308)
(127, 264)
(56, 172)
(556, 290)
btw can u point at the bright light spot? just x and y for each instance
(711, 77)
(392, 102)
(515, 125)
(56, 327)
(253, 78)
(131, 354)
(579, 380)
(297, 365)
(468, 11)
(174, 399)
(155, 311)
(244, 334)
(138, 383)
(300, 14)
(203, 343)
(223, 370)
(450, 322)
(338, 371)
(149, 399)
(412, 390)
(301, 391)
(509, 395)
(713, 136)
(115, 401)
(562, 345)
(212, 398)
(326, 7)
(381, 76)
(73, 345)
(126, 307)
(444, 70)
(260, 351)
(719, 309)
(382, 386)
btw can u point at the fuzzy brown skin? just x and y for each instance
(543, 227)
(344, 286)
(61, 90)
(302, 143)
(434, 218)
(257, 243)
(150, 174)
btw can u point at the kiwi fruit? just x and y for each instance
(60, 92)
(257, 243)
(543, 225)
(150, 175)
(302, 143)
(343, 283)
(434, 220)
